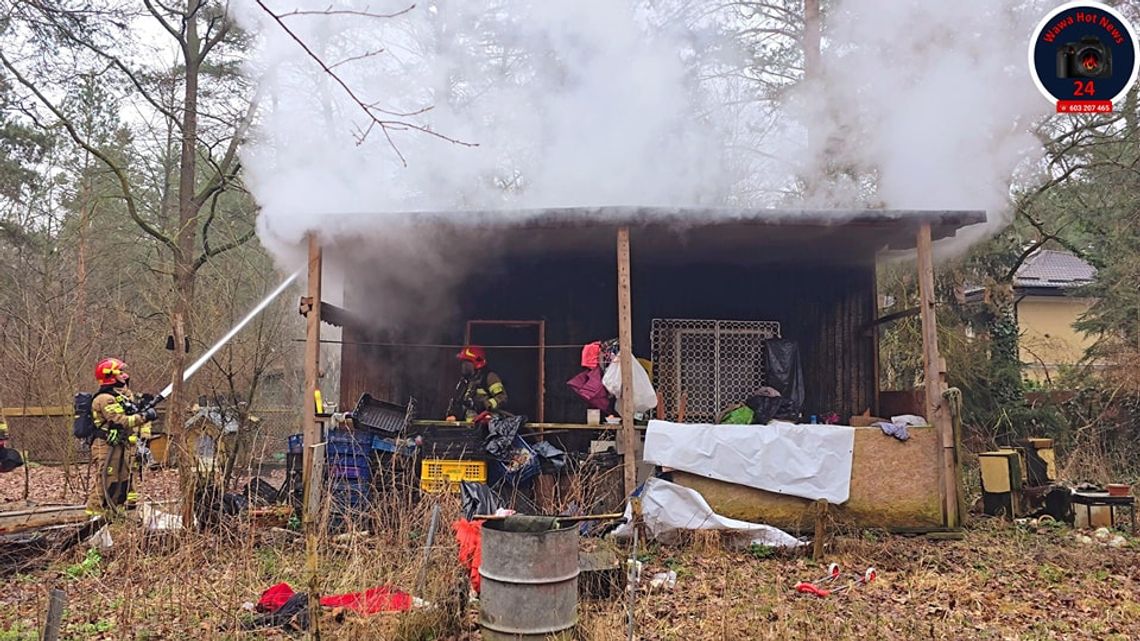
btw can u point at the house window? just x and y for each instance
(713, 362)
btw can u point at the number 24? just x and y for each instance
(1084, 88)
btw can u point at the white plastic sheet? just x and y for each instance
(644, 396)
(668, 508)
(809, 461)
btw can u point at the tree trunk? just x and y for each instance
(812, 43)
(184, 275)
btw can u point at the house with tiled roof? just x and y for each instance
(1049, 300)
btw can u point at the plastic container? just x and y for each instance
(438, 475)
(382, 416)
(296, 443)
(353, 471)
(455, 471)
(382, 444)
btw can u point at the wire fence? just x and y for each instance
(44, 435)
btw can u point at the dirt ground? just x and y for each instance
(1000, 582)
(51, 485)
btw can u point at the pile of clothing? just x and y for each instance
(599, 384)
(279, 606)
(760, 408)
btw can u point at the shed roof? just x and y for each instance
(1051, 269)
(678, 233)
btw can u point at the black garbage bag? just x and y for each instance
(478, 498)
(261, 492)
(501, 433)
(764, 408)
(784, 373)
(293, 615)
(234, 504)
(10, 459)
(552, 459)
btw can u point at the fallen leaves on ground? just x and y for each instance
(1000, 582)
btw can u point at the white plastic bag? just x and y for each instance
(644, 396)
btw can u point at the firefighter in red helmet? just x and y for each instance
(479, 390)
(120, 420)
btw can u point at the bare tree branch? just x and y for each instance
(120, 174)
(212, 41)
(225, 169)
(346, 12)
(355, 58)
(386, 126)
(162, 21)
(216, 251)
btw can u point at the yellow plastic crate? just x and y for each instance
(441, 475)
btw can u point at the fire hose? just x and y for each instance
(142, 450)
(202, 360)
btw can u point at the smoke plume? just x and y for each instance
(540, 103)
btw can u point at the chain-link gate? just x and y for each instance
(714, 362)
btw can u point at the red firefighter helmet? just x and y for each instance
(109, 371)
(475, 355)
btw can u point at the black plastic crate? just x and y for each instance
(382, 416)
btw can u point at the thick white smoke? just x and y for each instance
(608, 102)
(934, 98)
(578, 103)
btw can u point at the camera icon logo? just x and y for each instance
(1086, 58)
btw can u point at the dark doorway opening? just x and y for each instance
(516, 349)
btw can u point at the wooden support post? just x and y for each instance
(312, 357)
(313, 449)
(57, 601)
(820, 529)
(625, 358)
(935, 379)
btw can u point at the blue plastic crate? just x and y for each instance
(296, 443)
(341, 470)
(350, 493)
(358, 457)
(347, 442)
(381, 444)
(498, 472)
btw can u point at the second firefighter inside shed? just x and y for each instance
(479, 390)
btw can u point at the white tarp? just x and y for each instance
(668, 508)
(809, 461)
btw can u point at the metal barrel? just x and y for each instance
(529, 583)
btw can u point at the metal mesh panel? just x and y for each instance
(714, 362)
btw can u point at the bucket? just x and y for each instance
(529, 582)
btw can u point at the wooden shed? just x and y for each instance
(694, 291)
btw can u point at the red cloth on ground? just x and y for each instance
(378, 599)
(274, 597)
(371, 601)
(470, 537)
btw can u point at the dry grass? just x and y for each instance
(1001, 582)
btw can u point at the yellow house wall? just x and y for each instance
(1048, 338)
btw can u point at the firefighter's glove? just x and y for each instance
(114, 437)
(149, 414)
(132, 439)
(144, 432)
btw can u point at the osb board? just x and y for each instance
(894, 484)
